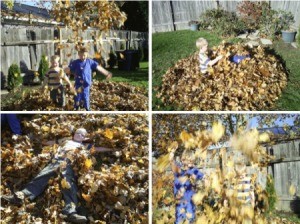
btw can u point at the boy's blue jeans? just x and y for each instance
(82, 98)
(40, 182)
(185, 211)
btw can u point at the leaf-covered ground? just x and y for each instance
(253, 84)
(104, 96)
(112, 186)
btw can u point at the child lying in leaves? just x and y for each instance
(59, 164)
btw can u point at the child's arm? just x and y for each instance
(104, 72)
(49, 143)
(104, 149)
(65, 77)
(213, 62)
(174, 166)
(45, 82)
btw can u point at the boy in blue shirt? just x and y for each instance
(82, 70)
(185, 177)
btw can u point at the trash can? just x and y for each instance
(128, 60)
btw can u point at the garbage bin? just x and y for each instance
(128, 60)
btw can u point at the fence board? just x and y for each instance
(26, 45)
(184, 11)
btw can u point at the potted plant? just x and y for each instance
(194, 25)
(286, 19)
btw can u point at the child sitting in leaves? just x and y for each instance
(186, 177)
(204, 60)
(62, 165)
(53, 79)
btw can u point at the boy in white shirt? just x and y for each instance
(36, 187)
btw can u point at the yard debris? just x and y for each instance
(216, 201)
(105, 96)
(253, 84)
(112, 187)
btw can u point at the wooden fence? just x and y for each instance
(285, 170)
(25, 46)
(175, 15)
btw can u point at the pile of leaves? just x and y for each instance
(215, 197)
(253, 84)
(112, 186)
(104, 96)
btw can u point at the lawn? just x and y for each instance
(138, 77)
(169, 47)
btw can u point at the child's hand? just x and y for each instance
(109, 75)
(171, 156)
(220, 57)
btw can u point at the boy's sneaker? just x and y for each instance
(75, 218)
(13, 199)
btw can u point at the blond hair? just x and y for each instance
(188, 154)
(55, 58)
(240, 168)
(201, 42)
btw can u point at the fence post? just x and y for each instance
(172, 15)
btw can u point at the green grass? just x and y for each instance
(290, 98)
(169, 47)
(138, 77)
(288, 216)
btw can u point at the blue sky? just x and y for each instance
(288, 121)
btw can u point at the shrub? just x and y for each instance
(269, 22)
(270, 189)
(14, 78)
(251, 12)
(286, 20)
(43, 67)
(222, 22)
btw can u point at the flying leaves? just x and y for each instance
(215, 196)
(103, 15)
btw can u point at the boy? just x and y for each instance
(82, 69)
(54, 79)
(244, 193)
(39, 183)
(185, 178)
(202, 45)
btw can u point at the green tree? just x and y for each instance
(14, 78)
(272, 197)
(43, 67)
